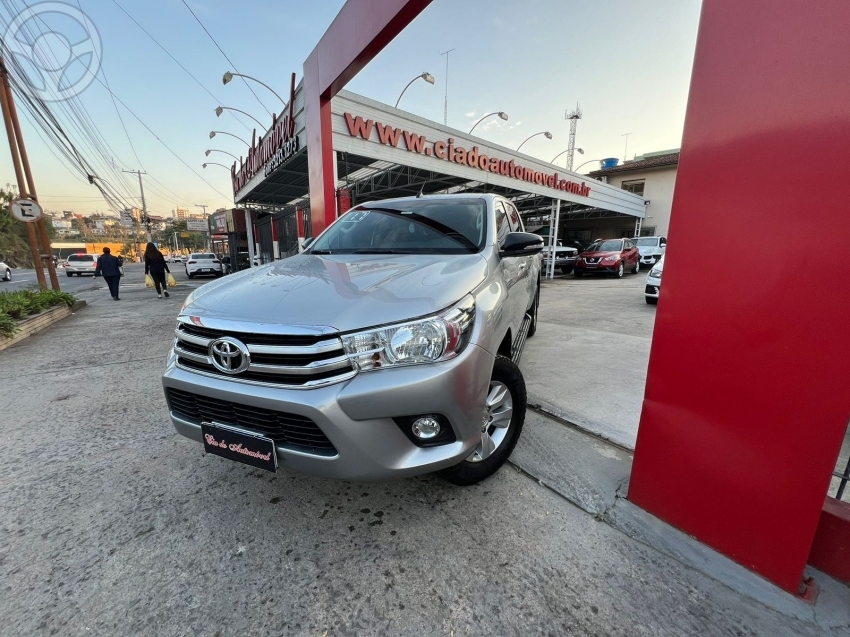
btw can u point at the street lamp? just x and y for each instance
(216, 150)
(501, 114)
(425, 76)
(587, 162)
(229, 76)
(212, 163)
(221, 132)
(578, 150)
(546, 133)
(220, 109)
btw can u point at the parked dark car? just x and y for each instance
(609, 256)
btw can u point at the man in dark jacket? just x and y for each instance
(110, 269)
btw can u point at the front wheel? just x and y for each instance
(500, 427)
(8, 275)
(578, 274)
(621, 270)
(636, 269)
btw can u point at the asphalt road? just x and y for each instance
(134, 273)
(112, 524)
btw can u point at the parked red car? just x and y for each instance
(611, 256)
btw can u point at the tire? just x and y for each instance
(566, 269)
(69, 274)
(191, 276)
(469, 472)
(8, 275)
(535, 305)
(621, 270)
(578, 274)
(636, 269)
(651, 300)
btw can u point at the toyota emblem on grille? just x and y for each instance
(229, 355)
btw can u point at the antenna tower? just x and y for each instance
(574, 116)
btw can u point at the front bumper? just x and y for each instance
(653, 287)
(650, 259)
(357, 415)
(560, 263)
(606, 268)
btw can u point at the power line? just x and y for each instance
(167, 147)
(250, 88)
(188, 72)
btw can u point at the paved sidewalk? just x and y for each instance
(113, 524)
(587, 363)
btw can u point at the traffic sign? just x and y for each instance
(25, 210)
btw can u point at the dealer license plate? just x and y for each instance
(235, 444)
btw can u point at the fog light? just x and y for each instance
(425, 428)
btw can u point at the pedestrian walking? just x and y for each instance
(156, 266)
(109, 268)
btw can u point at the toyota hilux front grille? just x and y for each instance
(288, 430)
(296, 361)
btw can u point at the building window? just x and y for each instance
(647, 231)
(635, 187)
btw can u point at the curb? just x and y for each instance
(40, 322)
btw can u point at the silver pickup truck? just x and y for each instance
(388, 349)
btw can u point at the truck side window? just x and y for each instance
(502, 225)
(514, 218)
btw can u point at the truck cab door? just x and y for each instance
(512, 269)
(528, 265)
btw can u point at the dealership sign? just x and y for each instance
(272, 151)
(448, 151)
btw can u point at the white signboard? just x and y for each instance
(197, 225)
(26, 210)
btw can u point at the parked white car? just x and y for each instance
(203, 263)
(653, 283)
(651, 249)
(5, 272)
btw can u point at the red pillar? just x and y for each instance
(358, 33)
(747, 397)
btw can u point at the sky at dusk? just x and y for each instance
(627, 62)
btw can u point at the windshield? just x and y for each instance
(605, 246)
(458, 226)
(646, 242)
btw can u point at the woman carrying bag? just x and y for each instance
(156, 267)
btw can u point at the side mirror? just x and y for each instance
(307, 242)
(521, 244)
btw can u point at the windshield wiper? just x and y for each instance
(379, 251)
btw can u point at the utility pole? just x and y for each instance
(26, 185)
(204, 206)
(446, 104)
(145, 219)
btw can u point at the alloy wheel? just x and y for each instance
(497, 419)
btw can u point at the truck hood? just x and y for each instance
(340, 292)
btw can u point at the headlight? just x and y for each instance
(188, 300)
(614, 258)
(437, 338)
(655, 273)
